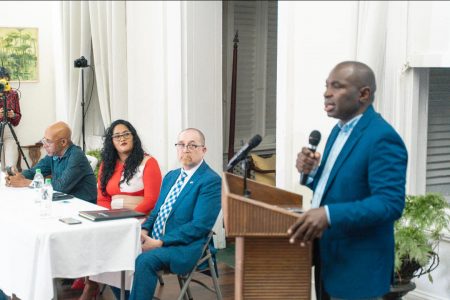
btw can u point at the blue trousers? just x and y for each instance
(146, 273)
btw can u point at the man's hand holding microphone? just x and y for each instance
(311, 224)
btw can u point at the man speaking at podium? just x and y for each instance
(359, 191)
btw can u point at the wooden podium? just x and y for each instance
(267, 265)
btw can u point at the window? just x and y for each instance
(256, 22)
(438, 137)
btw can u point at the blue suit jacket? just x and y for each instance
(365, 194)
(192, 217)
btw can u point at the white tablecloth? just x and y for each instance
(34, 250)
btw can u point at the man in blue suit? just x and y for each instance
(359, 191)
(186, 210)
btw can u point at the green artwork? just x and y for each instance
(19, 52)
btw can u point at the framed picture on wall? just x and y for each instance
(19, 52)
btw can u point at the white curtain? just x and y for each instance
(371, 42)
(155, 103)
(109, 44)
(381, 43)
(97, 31)
(307, 51)
(75, 42)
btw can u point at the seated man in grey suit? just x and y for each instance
(186, 210)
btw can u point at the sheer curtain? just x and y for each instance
(97, 31)
(109, 44)
(75, 41)
(371, 43)
(381, 43)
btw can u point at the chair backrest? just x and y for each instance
(263, 168)
(93, 161)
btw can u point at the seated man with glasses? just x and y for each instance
(65, 162)
(178, 227)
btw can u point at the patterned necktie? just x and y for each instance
(166, 208)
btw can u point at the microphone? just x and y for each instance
(314, 139)
(243, 152)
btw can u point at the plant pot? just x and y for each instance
(406, 272)
(399, 290)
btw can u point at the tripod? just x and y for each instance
(3, 125)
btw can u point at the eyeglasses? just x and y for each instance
(117, 137)
(191, 147)
(48, 142)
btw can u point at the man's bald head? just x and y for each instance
(59, 130)
(57, 139)
(362, 75)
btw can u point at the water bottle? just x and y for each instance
(46, 199)
(37, 184)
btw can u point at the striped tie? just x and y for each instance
(166, 208)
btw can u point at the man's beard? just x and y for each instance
(186, 160)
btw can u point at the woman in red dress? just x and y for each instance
(128, 178)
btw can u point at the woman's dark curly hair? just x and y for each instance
(110, 156)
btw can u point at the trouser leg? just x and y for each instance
(321, 294)
(10, 152)
(145, 277)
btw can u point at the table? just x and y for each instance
(34, 251)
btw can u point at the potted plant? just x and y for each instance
(97, 153)
(417, 235)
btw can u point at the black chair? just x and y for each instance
(186, 279)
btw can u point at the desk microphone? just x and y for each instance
(314, 139)
(254, 141)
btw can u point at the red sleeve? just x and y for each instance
(13, 99)
(102, 200)
(152, 184)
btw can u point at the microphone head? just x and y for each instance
(255, 141)
(314, 138)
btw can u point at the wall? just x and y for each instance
(37, 98)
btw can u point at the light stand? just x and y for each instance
(3, 125)
(82, 63)
(83, 113)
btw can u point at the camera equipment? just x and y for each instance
(4, 86)
(5, 122)
(80, 62)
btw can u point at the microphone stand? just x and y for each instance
(245, 166)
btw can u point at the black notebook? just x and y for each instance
(112, 214)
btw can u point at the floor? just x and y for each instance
(171, 289)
